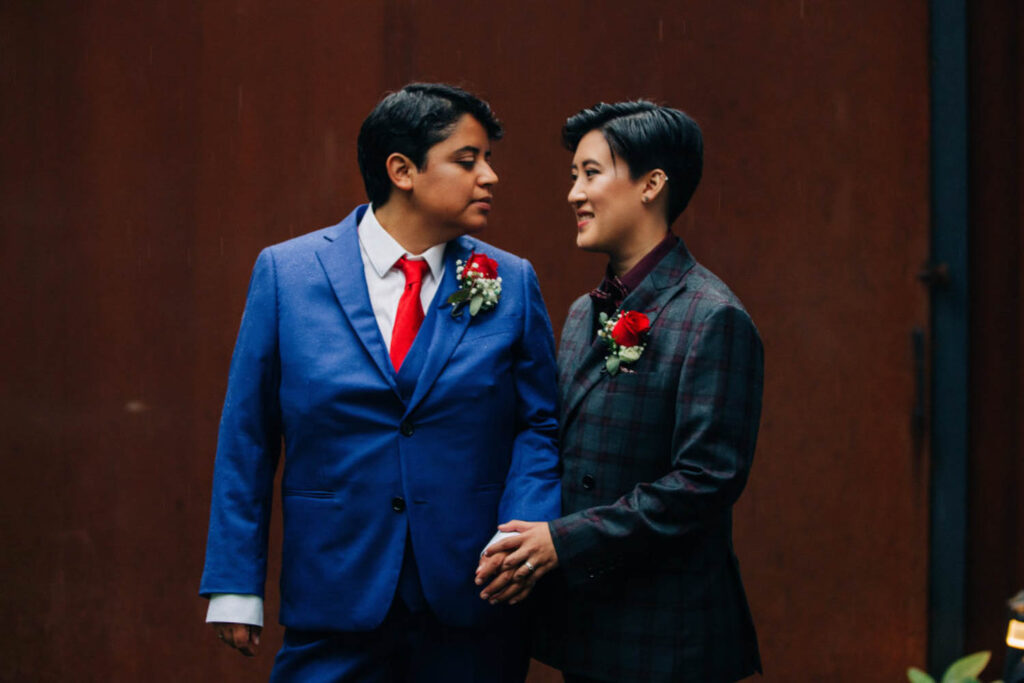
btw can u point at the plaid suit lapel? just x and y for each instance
(650, 297)
(666, 280)
(583, 368)
(576, 339)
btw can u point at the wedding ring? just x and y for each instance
(530, 566)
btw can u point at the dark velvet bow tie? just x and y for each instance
(609, 294)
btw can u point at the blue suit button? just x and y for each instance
(398, 504)
(406, 428)
(588, 482)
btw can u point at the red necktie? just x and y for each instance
(410, 311)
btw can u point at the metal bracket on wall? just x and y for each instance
(934, 274)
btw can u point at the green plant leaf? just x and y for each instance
(612, 365)
(475, 303)
(915, 675)
(602, 317)
(458, 296)
(967, 667)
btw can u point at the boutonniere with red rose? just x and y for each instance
(479, 284)
(625, 335)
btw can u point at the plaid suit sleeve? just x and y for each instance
(718, 406)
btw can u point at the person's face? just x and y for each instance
(453, 189)
(606, 203)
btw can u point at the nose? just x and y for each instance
(576, 193)
(487, 175)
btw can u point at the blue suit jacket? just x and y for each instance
(368, 460)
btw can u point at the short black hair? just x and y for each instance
(410, 122)
(647, 136)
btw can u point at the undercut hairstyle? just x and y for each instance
(410, 122)
(647, 136)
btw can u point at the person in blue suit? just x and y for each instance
(408, 369)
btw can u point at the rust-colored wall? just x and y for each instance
(150, 149)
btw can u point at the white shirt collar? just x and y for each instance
(383, 251)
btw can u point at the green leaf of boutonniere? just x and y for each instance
(602, 317)
(475, 303)
(612, 365)
(459, 296)
(915, 675)
(967, 668)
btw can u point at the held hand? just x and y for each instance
(490, 570)
(489, 567)
(529, 555)
(243, 637)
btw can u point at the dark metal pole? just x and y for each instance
(949, 318)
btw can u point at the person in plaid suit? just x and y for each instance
(660, 375)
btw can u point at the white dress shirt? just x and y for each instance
(385, 282)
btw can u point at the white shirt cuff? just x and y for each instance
(231, 608)
(497, 537)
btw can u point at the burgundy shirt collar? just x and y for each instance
(610, 294)
(637, 273)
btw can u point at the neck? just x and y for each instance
(408, 227)
(645, 238)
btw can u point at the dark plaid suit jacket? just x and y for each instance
(649, 587)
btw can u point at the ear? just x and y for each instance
(654, 185)
(400, 170)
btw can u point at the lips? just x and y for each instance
(484, 203)
(583, 217)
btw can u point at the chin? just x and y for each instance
(587, 245)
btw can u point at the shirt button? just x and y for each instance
(398, 504)
(406, 428)
(588, 482)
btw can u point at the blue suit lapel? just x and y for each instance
(343, 264)
(447, 331)
(657, 289)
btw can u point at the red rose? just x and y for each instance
(629, 328)
(481, 265)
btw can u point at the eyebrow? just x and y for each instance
(471, 148)
(587, 161)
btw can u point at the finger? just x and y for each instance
(234, 635)
(227, 636)
(496, 585)
(249, 647)
(511, 591)
(499, 583)
(523, 573)
(523, 594)
(506, 594)
(517, 558)
(493, 559)
(488, 567)
(541, 571)
(503, 546)
(514, 525)
(222, 636)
